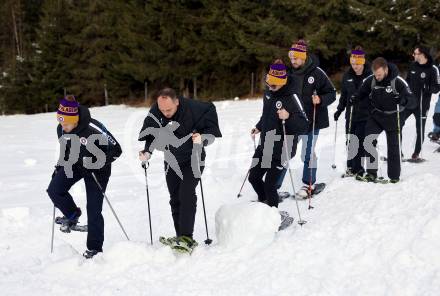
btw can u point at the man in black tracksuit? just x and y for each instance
(179, 127)
(86, 148)
(316, 91)
(424, 80)
(279, 102)
(354, 122)
(384, 100)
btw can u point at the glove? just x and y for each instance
(337, 114)
(426, 89)
(254, 131)
(55, 171)
(353, 99)
(397, 99)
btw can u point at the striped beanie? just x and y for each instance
(277, 73)
(68, 110)
(298, 50)
(357, 56)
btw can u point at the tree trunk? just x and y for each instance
(15, 27)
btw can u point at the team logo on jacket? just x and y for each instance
(311, 80)
(83, 140)
(423, 74)
(279, 105)
(389, 89)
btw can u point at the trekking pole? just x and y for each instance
(247, 175)
(398, 135)
(348, 136)
(208, 241)
(422, 132)
(334, 147)
(312, 155)
(301, 222)
(53, 230)
(108, 201)
(145, 165)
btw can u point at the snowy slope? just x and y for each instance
(360, 239)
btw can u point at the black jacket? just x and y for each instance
(424, 80)
(350, 85)
(383, 101)
(87, 127)
(296, 124)
(311, 78)
(192, 116)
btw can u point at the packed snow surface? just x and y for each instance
(360, 238)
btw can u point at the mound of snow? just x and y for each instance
(246, 224)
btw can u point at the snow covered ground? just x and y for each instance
(360, 239)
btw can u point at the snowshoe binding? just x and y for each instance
(71, 223)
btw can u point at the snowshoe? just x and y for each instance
(286, 220)
(89, 254)
(184, 244)
(71, 224)
(372, 179)
(415, 158)
(167, 241)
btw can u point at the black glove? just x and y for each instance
(353, 100)
(55, 171)
(398, 99)
(337, 114)
(426, 89)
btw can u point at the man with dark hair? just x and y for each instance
(387, 94)
(317, 92)
(424, 80)
(77, 133)
(355, 115)
(180, 128)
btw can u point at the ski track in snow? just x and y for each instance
(360, 238)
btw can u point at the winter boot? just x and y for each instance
(61, 220)
(304, 191)
(68, 223)
(89, 254)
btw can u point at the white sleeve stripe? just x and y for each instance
(97, 128)
(366, 78)
(326, 76)
(403, 80)
(438, 74)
